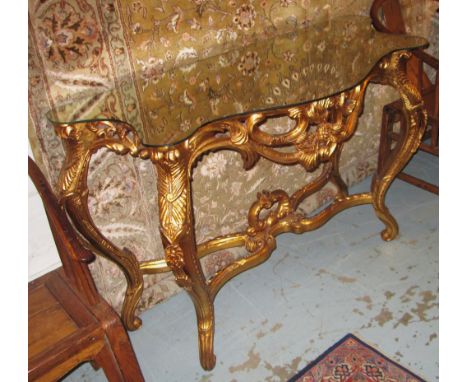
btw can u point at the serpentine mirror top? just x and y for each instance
(292, 68)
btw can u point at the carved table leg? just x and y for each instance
(177, 232)
(390, 71)
(336, 179)
(81, 140)
(126, 261)
(335, 119)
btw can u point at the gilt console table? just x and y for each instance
(321, 90)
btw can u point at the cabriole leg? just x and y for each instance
(390, 71)
(81, 141)
(177, 232)
(337, 180)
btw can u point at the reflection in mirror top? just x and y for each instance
(290, 69)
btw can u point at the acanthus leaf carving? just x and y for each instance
(321, 129)
(83, 139)
(173, 193)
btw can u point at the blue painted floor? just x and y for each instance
(317, 287)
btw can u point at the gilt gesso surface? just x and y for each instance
(100, 43)
(320, 131)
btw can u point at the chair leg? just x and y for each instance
(435, 133)
(123, 353)
(387, 137)
(109, 364)
(418, 182)
(415, 181)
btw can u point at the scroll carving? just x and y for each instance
(391, 71)
(321, 128)
(81, 141)
(258, 232)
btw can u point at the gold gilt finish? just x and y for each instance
(321, 129)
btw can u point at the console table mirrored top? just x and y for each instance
(316, 76)
(291, 69)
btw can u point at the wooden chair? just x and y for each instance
(387, 17)
(69, 322)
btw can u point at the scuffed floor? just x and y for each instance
(317, 287)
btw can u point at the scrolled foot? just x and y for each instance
(208, 362)
(391, 226)
(135, 324)
(131, 322)
(132, 297)
(207, 356)
(389, 233)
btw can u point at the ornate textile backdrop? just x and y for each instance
(80, 46)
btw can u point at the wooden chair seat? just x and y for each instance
(69, 322)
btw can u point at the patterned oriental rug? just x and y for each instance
(351, 360)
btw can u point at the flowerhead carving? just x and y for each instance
(317, 147)
(175, 260)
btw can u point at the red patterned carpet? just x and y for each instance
(351, 360)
